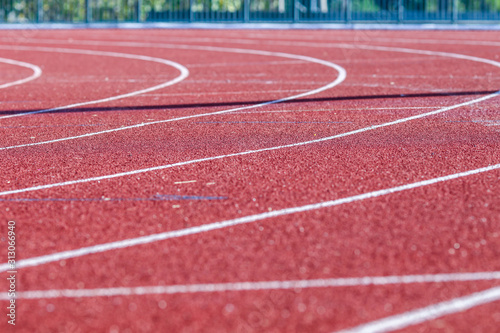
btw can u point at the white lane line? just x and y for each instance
(276, 42)
(212, 158)
(356, 46)
(430, 41)
(362, 37)
(186, 182)
(273, 42)
(35, 261)
(404, 50)
(331, 45)
(256, 286)
(37, 72)
(244, 64)
(340, 78)
(476, 303)
(389, 108)
(241, 92)
(238, 50)
(427, 313)
(367, 38)
(184, 73)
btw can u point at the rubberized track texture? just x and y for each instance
(249, 181)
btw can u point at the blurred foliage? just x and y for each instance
(127, 10)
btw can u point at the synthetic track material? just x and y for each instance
(355, 177)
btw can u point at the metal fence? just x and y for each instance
(335, 11)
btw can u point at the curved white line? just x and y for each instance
(340, 78)
(239, 50)
(427, 313)
(265, 39)
(310, 44)
(35, 261)
(331, 44)
(37, 72)
(390, 323)
(184, 73)
(266, 215)
(365, 36)
(41, 187)
(212, 158)
(256, 286)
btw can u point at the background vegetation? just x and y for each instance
(12, 11)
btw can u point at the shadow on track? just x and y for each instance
(245, 103)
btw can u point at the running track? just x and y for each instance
(251, 181)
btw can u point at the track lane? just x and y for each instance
(340, 78)
(184, 73)
(294, 321)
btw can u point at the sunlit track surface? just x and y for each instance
(296, 181)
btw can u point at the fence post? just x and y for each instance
(348, 10)
(401, 11)
(139, 10)
(454, 14)
(191, 12)
(88, 12)
(39, 11)
(295, 10)
(246, 11)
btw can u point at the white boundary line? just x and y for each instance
(292, 43)
(35, 261)
(340, 78)
(330, 44)
(37, 72)
(364, 38)
(212, 158)
(238, 50)
(282, 40)
(390, 323)
(254, 39)
(427, 313)
(183, 70)
(259, 150)
(257, 286)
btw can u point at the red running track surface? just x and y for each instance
(370, 206)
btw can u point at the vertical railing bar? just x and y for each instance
(401, 11)
(454, 15)
(117, 9)
(246, 11)
(139, 10)
(295, 10)
(348, 11)
(39, 11)
(191, 10)
(88, 14)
